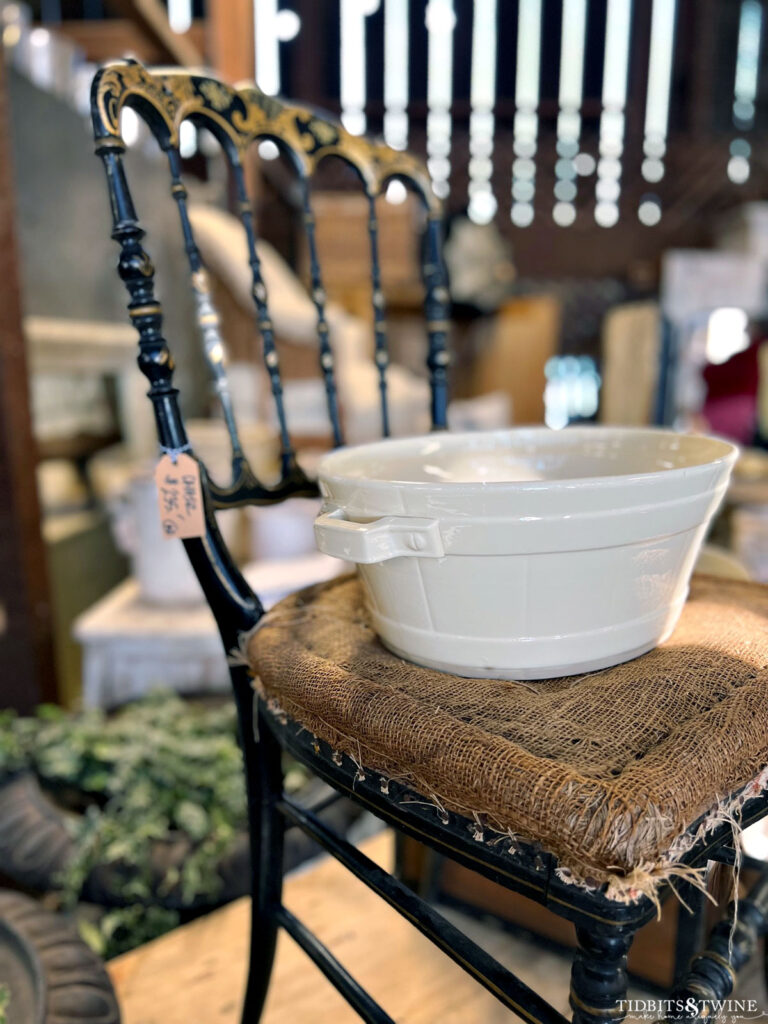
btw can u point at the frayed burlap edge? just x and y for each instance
(646, 879)
(643, 881)
(237, 657)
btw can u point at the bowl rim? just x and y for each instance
(327, 474)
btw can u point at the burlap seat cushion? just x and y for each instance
(605, 770)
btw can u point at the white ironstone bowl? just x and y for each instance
(524, 553)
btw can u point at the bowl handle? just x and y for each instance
(390, 537)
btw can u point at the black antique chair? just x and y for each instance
(604, 906)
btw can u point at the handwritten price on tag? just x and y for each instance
(180, 497)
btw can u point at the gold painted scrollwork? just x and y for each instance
(215, 93)
(245, 114)
(115, 84)
(323, 131)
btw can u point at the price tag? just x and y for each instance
(180, 495)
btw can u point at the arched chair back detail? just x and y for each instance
(238, 117)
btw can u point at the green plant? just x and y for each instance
(5, 999)
(157, 768)
(13, 731)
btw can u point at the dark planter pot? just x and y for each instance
(107, 882)
(52, 976)
(35, 845)
(34, 841)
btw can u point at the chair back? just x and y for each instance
(239, 117)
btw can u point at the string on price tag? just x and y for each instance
(180, 495)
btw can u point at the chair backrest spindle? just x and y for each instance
(263, 319)
(319, 299)
(207, 317)
(381, 347)
(437, 307)
(239, 117)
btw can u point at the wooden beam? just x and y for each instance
(152, 19)
(109, 38)
(27, 673)
(230, 39)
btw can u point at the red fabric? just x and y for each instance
(730, 407)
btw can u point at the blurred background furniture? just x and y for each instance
(62, 353)
(132, 647)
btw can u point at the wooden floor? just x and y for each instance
(196, 973)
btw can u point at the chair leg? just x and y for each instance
(713, 974)
(691, 916)
(262, 757)
(599, 975)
